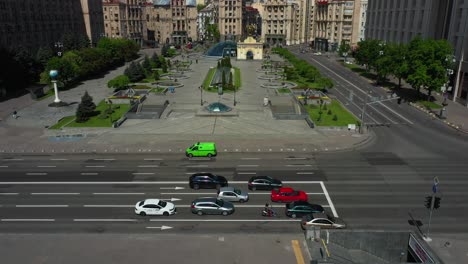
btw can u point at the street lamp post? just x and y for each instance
(53, 75)
(58, 45)
(235, 102)
(201, 95)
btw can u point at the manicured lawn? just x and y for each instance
(95, 121)
(237, 77)
(208, 78)
(284, 90)
(429, 105)
(63, 122)
(344, 117)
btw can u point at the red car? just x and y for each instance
(287, 195)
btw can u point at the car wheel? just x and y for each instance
(241, 201)
(142, 213)
(210, 155)
(166, 214)
(199, 213)
(196, 186)
(293, 215)
(190, 155)
(225, 213)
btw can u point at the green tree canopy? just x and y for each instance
(119, 83)
(85, 108)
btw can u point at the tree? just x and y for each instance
(85, 108)
(156, 75)
(399, 63)
(43, 55)
(382, 65)
(367, 52)
(165, 50)
(119, 83)
(164, 67)
(344, 47)
(147, 65)
(230, 81)
(155, 61)
(135, 72)
(325, 82)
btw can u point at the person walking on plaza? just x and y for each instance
(15, 114)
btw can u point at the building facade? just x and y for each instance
(336, 21)
(94, 20)
(229, 19)
(399, 21)
(33, 24)
(251, 16)
(362, 20)
(205, 17)
(115, 16)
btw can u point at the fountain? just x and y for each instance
(218, 108)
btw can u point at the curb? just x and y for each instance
(435, 117)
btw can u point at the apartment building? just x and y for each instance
(205, 17)
(33, 24)
(229, 18)
(94, 19)
(336, 21)
(114, 12)
(362, 20)
(399, 21)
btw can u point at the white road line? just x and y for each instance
(28, 220)
(250, 158)
(152, 159)
(246, 173)
(247, 165)
(58, 159)
(36, 173)
(46, 166)
(225, 220)
(148, 166)
(305, 172)
(298, 165)
(311, 193)
(335, 214)
(95, 166)
(89, 173)
(105, 220)
(119, 193)
(55, 193)
(295, 158)
(108, 205)
(143, 173)
(137, 182)
(41, 205)
(9, 193)
(3, 166)
(104, 159)
(13, 159)
(196, 166)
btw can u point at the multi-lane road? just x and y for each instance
(82, 193)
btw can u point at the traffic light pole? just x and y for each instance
(426, 237)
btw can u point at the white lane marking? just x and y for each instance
(55, 193)
(3, 166)
(46, 166)
(104, 159)
(9, 193)
(152, 159)
(305, 172)
(58, 159)
(13, 159)
(196, 166)
(89, 173)
(95, 166)
(143, 173)
(136, 182)
(119, 193)
(335, 214)
(105, 220)
(250, 158)
(246, 173)
(108, 205)
(42, 205)
(225, 220)
(172, 188)
(148, 166)
(297, 165)
(28, 220)
(295, 158)
(36, 173)
(247, 165)
(159, 227)
(362, 91)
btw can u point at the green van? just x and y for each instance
(201, 149)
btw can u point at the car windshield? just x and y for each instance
(237, 191)
(162, 203)
(141, 203)
(220, 202)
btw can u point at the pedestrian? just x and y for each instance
(15, 114)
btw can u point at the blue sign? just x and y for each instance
(434, 188)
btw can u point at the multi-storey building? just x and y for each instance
(336, 21)
(205, 17)
(33, 24)
(362, 20)
(400, 21)
(284, 22)
(173, 21)
(93, 19)
(229, 18)
(114, 19)
(251, 16)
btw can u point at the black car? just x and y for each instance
(207, 180)
(264, 183)
(301, 208)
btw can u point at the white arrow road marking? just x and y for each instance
(159, 227)
(172, 188)
(28, 220)
(105, 220)
(119, 193)
(55, 193)
(172, 199)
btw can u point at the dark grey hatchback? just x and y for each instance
(264, 183)
(206, 180)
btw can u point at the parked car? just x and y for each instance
(232, 194)
(264, 183)
(301, 208)
(154, 207)
(207, 180)
(322, 220)
(203, 206)
(287, 195)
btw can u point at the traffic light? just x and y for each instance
(437, 202)
(428, 202)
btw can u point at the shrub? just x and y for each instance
(85, 109)
(329, 112)
(325, 107)
(335, 118)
